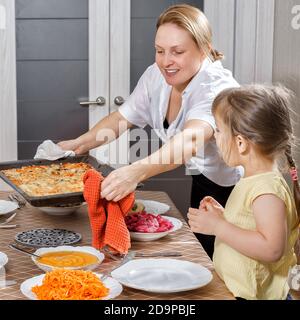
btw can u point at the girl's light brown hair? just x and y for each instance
(261, 114)
(195, 22)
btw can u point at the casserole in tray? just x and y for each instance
(70, 198)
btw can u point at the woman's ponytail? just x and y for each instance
(216, 55)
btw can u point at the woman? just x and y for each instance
(174, 96)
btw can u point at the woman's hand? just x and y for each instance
(94, 137)
(73, 145)
(119, 183)
(208, 218)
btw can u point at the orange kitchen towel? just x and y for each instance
(106, 217)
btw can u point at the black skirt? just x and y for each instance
(202, 187)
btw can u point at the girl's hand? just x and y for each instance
(207, 219)
(119, 183)
(207, 202)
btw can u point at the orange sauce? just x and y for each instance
(66, 259)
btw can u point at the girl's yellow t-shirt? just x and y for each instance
(245, 277)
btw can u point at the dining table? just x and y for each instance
(20, 266)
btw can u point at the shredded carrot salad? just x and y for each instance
(62, 284)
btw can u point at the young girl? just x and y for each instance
(257, 230)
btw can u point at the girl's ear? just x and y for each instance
(242, 144)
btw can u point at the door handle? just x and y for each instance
(119, 100)
(100, 101)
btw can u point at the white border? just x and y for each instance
(99, 34)
(8, 87)
(109, 63)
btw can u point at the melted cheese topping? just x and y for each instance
(51, 179)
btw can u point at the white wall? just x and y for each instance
(243, 31)
(286, 67)
(221, 17)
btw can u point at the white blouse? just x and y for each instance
(149, 101)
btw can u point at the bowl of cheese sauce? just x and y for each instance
(68, 257)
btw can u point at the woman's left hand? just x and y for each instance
(119, 183)
(205, 221)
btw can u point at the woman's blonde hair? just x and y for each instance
(195, 22)
(261, 114)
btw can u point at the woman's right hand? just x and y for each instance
(73, 145)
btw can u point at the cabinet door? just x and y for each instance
(63, 59)
(69, 53)
(52, 71)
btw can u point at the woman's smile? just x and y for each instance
(171, 72)
(177, 55)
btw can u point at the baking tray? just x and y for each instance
(57, 199)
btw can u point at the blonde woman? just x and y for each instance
(174, 96)
(257, 231)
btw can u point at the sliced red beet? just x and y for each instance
(147, 223)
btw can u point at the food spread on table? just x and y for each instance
(62, 283)
(44, 180)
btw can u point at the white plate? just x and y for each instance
(86, 249)
(162, 275)
(7, 207)
(3, 259)
(154, 207)
(143, 236)
(115, 288)
(61, 211)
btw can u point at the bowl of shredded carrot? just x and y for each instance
(62, 284)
